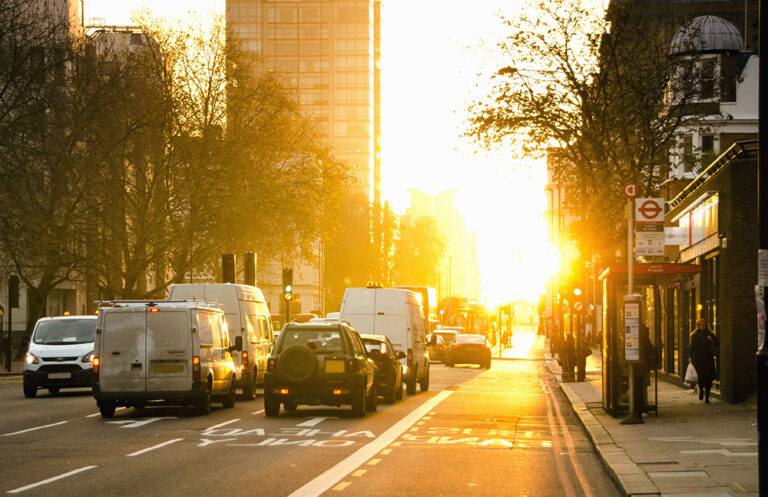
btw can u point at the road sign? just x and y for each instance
(649, 242)
(630, 190)
(649, 210)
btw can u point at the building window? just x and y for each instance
(688, 159)
(707, 79)
(707, 143)
(728, 78)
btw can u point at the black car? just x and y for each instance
(389, 370)
(469, 349)
(319, 364)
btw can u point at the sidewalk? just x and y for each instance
(691, 449)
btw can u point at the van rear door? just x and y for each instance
(123, 351)
(169, 350)
(358, 308)
(390, 318)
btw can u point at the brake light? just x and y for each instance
(245, 359)
(409, 356)
(154, 309)
(455, 346)
(336, 391)
(96, 363)
(196, 367)
(284, 391)
(271, 364)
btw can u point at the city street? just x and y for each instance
(504, 431)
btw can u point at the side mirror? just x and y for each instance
(238, 344)
(401, 355)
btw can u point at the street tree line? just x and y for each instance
(601, 96)
(127, 165)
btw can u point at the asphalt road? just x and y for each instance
(507, 431)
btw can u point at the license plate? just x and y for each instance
(168, 368)
(334, 366)
(59, 376)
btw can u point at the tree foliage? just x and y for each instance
(418, 252)
(131, 159)
(590, 91)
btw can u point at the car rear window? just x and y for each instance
(447, 336)
(321, 341)
(64, 331)
(371, 345)
(470, 339)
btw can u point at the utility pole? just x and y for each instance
(762, 288)
(632, 302)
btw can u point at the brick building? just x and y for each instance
(719, 210)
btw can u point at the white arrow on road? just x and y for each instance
(139, 422)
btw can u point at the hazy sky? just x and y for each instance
(432, 53)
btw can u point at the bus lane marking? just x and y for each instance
(314, 421)
(136, 423)
(335, 474)
(34, 428)
(49, 480)
(144, 451)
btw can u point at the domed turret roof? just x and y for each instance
(706, 34)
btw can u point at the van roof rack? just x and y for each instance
(126, 303)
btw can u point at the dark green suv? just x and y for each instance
(319, 364)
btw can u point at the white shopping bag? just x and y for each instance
(690, 374)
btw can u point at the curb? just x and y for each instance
(628, 476)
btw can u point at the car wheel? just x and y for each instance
(107, 408)
(30, 390)
(389, 393)
(290, 405)
(271, 405)
(140, 406)
(372, 402)
(410, 386)
(249, 387)
(424, 383)
(230, 399)
(204, 404)
(358, 404)
(53, 390)
(399, 390)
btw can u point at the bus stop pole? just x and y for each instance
(635, 417)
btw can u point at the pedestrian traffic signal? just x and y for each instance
(13, 291)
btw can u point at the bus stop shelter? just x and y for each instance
(648, 279)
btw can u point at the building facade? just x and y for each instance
(329, 54)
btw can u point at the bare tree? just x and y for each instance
(591, 91)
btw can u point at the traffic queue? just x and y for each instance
(207, 341)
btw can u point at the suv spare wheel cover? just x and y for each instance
(297, 363)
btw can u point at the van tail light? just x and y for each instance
(196, 368)
(271, 364)
(245, 360)
(352, 366)
(409, 356)
(455, 346)
(96, 364)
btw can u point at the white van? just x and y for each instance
(59, 354)
(396, 314)
(177, 352)
(247, 315)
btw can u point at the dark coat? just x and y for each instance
(704, 345)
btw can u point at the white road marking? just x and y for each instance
(225, 423)
(35, 428)
(142, 451)
(316, 421)
(330, 477)
(49, 480)
(99, 414)
(258, 412)
(128, 423)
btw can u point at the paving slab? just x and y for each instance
(691, 449)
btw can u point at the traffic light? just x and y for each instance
(288, 283)
(13, 291)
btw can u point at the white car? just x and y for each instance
(60, 354)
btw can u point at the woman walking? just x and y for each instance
(704, 345)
